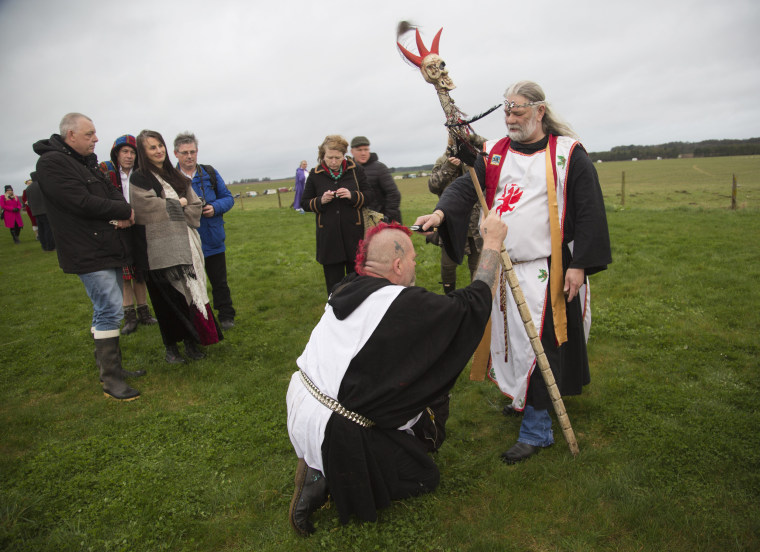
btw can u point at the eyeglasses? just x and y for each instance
(186, 153)
(509, 106)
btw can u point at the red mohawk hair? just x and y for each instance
(361, 250)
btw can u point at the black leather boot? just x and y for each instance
(448, 288)
(108, 357)
(172, 355)
(144, 317)
(192, 351)
(128, 374)
(509, 410)
(309, 495)
(130, 321)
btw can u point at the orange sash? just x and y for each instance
(557, 282)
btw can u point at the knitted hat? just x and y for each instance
(359, 141)
(120, 142)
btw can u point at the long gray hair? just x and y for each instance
(551, 123)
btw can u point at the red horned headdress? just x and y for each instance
(431, 65)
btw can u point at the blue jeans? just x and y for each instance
(536, 428)
(105, 289)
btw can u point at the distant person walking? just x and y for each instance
(11, 206)
(301, 175)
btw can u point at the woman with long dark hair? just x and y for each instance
(168, 249)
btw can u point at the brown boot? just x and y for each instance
(309, 495)
(130, 320)
(144, 317)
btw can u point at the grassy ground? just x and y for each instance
(668, 428)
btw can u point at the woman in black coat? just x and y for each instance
(334, 193)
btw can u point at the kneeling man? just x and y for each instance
(379, 363)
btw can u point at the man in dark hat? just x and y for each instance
(383, 195)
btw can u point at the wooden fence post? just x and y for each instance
(279, 201)
(733, 194)
(622, 191)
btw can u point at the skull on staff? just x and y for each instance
(432, 67)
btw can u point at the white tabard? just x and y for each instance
(522, 201)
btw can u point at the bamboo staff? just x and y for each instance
(433, 71)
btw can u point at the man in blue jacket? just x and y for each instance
(217, 200)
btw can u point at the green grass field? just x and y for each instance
(668, 429)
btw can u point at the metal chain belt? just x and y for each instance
(332, 404)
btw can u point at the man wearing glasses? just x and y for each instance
(216, 200)
(543, 184)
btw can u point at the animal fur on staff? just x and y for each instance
(434, 71)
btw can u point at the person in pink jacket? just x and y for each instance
(11, 206)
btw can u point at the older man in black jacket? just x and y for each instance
(383, 195)
(86, 214)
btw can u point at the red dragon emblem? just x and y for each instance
(508, 200)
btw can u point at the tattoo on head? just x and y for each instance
(399, 248)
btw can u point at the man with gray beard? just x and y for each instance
(541, 182)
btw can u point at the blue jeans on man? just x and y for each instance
(105, 290)
(536, 428)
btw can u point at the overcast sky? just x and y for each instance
(262, 83)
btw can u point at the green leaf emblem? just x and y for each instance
(542, 275)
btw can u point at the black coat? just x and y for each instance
(339, 222)
(414, 356)
(382, 193)
(80, 202)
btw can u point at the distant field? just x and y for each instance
(703, 182)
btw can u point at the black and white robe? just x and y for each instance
(385, 352)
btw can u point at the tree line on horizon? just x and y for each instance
(674, 150)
